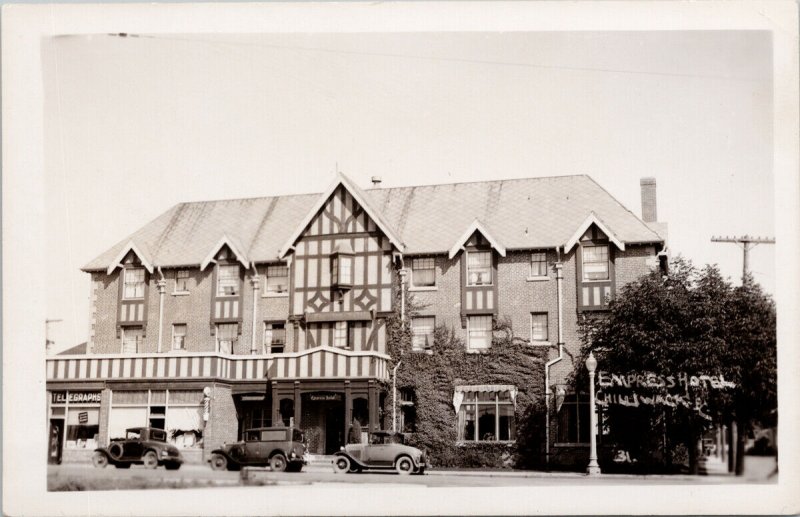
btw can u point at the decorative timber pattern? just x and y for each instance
(478, 289)
(595, 289)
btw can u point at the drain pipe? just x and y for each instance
(394, 396)
(254, 281)
(403, 275)
(161, 284)
(547, 390)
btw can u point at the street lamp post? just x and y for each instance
(593, 469)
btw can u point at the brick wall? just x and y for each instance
(222, 423)
(105, 410)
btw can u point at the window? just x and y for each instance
(228, 281)
(538, 264)
(134, 283)
(182, 281)
(479, 329)
(595, 263)
(422, 332)
(539, 326)
(572, 420)
(479, 268)
(408, 411)
(179, 413)
(132, 340)
(486, 416)
(179, 336)
(342, 274)
(227, 336)
(83, 427)
(277, 280)
(423, 272)
(274, 338)
(341, 337)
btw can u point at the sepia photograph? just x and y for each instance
(303, 259)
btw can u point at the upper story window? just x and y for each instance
(341, 335)
(274, 338)
(132, 340)
(228, 280)
(479, 268)
(179, 336)
(595, 263)
(134, 283)
(182, 281)
(539, 326)
(479, 332)
(538, 264)
(422, 332)
(423, 272)
(277, 280)
(227, 335)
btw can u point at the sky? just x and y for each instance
(136, 124)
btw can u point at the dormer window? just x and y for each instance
(228, 280)
(479, 268)
(595, 263)
(134, 283)
(342, 266)
(277, 280)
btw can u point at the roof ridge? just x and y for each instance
(617, 201)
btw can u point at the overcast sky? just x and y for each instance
(135, 125)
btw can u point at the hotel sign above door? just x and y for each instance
(324, 396)
(76, 397)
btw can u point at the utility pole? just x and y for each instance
(747, 243)
(732, 432)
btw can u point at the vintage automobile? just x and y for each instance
(142, 445)
(280, 448)
(386, 450)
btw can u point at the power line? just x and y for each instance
(747, 243)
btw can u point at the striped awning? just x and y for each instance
(458, 395)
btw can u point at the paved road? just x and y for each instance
(86, 477)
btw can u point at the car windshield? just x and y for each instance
(297, 436)
(385, 438)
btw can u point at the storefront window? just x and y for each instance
(486, 416)
(83, 427)
(178, 412)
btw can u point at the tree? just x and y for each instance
(691, 325)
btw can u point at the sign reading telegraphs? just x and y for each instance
(76, 397)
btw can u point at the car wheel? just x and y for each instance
(277, 463)
(219, 462)
(100, 460)
(172, 466)
(150, 460)
(404, 466)
(341, 465)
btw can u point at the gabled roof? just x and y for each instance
(532, 213)
(476, 226)
(590, 220)
(362, 200)
(234, 247)
(130, 246)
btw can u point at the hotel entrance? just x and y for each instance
(323, 422)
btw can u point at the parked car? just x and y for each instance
(280, 448)
(142, 445)
(386, 450)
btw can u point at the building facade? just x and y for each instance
(224, 315)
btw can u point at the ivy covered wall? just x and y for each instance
(433, 376)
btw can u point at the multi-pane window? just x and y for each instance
(134, 283)
(342, 270)
(132, 339)
(182, 281)
(479, 268)
(572, 420)
(227, 335)
(486, 416)
(277, 280)
(228, 280)
(539, 326)
(479, 329)
(538, 264)
(274, 338)
(423, 272)
(422, 332)
(179, 336)
(408, 410)
(341, 336)
(595, 262)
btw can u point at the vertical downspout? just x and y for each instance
(548, 392)
(254, 281)
(403, 274)
(162, 287)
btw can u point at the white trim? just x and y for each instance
(241, 257)
(476, 225)
(180, 293)
(117, 262)
(243, 357)
(537, 278)
(589, 221)
(358, 195)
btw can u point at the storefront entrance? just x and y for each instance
(323, 421)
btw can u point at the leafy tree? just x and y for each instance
(693, 323)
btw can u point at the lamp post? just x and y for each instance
(593, 469)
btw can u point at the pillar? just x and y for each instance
(348, 409)
(372, 402)
(298, 405)
(276, 408)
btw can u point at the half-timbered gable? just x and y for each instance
(595, 275)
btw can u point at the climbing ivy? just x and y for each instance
(433, 376)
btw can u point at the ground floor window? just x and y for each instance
(408, 411)
(486, 414)
(83, 428)
(178, 412)
(572, 419)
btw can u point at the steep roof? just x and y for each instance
(522, 214)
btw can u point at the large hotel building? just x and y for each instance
(219, 316)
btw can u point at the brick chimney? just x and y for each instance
(649, 213)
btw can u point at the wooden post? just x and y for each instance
(298, 405)
(373, 406)
(276, 413)
(348, 410)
